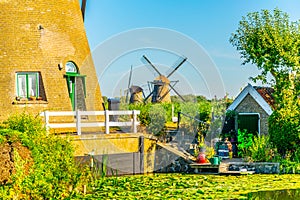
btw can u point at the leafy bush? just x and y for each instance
(24, 123)
(290, 163)
(168, 110)
(143, 117)
(284, 129)
(245, 140)
(53, 171)
(289, 167)
(157, 116)
(261, 150)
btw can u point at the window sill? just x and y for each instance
(22, 102)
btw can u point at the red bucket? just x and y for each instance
(201, 158)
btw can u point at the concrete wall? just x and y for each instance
(113, 144)
(249, 105)
(37, 36)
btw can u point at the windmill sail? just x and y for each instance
(162, 85)
(83, 7)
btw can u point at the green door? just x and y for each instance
(250, 122)
(72, 91)
(76, 86)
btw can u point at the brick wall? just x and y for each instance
(37, 35)
(249, 105)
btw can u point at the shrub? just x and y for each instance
(152, 116)
(284, 129)
(290, 163)
(168, 109)
(157, 116)
(53, 171)
(25, 123)
(143, 117)
(245, 140)
(261, 150)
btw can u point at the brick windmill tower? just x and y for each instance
(45, 58)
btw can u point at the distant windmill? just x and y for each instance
(136, 92)
(162, 86)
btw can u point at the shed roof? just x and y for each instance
(262, 95)
(267, 94)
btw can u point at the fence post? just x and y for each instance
(134, 122)
(78, 122)
(106, 121)
(46, 117)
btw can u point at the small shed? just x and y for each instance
(252, 108)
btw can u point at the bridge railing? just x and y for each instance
(78, 124)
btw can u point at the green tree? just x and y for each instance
(158, 117)
(271, 42)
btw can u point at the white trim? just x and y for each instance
(248, 113)
(255, 95)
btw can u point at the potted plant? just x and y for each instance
(205, 153)
(32, 98)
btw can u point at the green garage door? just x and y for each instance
(249, 122)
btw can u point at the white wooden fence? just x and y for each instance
(78, 124)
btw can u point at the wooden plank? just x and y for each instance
(203, 166)
(64, 125)
(237, 172)
(176, 151)
(120, 123)
(78, 124)
(92, 112)
(122, 112)
(206, 168)
(93, 124)
(59, 113)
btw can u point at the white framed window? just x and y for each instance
(71, 67)
(27, 84)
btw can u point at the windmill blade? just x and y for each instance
(176, 92)
(143, 94)
(177, 67)
(149, 95)
(148, 61)
(129, 83)
(83, 6)
(130, 77)
(165, 94)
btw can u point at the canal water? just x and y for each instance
(289, 194)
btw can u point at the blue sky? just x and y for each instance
(207, 23)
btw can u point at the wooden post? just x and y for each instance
(46, 116)
(84, 189)
(106, 121)
(78, 122)
(178, 120)
(133, 163)
(134, 122)
(141, 151)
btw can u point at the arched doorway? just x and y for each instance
(76, 86)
